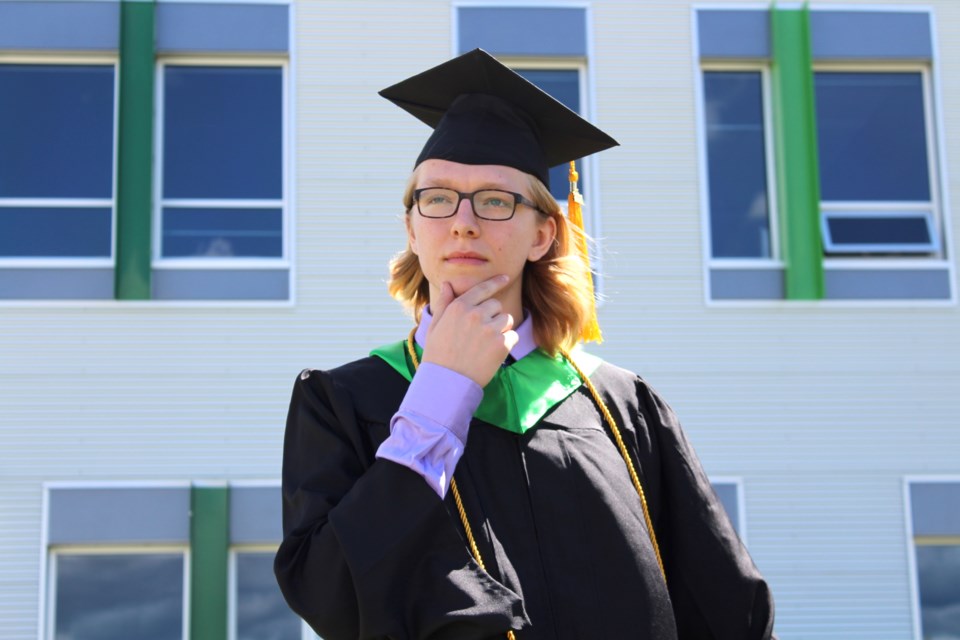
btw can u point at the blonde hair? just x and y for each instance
(557, 286)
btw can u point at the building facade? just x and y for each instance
(199, 199)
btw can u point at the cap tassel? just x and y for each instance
(591, 329)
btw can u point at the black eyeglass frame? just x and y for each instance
(517, 199)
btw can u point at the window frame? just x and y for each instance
(854, 210)
(53, 552)
(935, 206)
(774, 261)
(62, 59)
(924, 540)
(158, 262)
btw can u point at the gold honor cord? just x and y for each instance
(626, 458)
(607, 416)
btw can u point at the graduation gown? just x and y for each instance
(370, 551)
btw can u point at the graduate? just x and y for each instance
(485, 477)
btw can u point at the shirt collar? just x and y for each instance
(524, 346)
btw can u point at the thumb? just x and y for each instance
(437, 307)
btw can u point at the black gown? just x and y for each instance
(370, 551)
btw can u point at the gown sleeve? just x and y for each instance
(716, 590)
(369, 549)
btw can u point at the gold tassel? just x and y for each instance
(591, 329)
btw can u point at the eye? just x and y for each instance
(497, 200)
(436, 197)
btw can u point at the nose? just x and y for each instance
(464, 220)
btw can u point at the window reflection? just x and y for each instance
(938, 573)
(737, 164)
(261, 612)
(119, 596)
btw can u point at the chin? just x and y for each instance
(462, 284)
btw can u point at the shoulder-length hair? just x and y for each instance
(556, 288)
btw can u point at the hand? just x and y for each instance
(470, 334)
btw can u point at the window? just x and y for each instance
(547, 46)
(163, 562)
(823, 181)
(935, 524)
(118, 594)
(875, 178)
(730, 493)
(125, 179)
(56, 162)
(259, 610)
(564, 85)
(736, 141)
(938, 580)
(222, 167)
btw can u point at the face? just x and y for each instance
(465, 250)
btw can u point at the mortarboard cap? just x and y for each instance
(483, 112)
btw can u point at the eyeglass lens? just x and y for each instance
(490, 204)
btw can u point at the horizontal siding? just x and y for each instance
(821, 409)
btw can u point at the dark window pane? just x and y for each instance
(56, 131)
(222, 233)
(49, 232)
(871, 134)
(222, 132)
(120, 596)
(736, 164)
(938, 572)
(262, 613)
(564, 85)
(878, 230)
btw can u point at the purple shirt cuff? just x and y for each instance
(429, 431)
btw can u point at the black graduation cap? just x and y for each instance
(483, 112)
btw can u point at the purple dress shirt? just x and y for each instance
(429, 431)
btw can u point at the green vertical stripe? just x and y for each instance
(135, 150)
(798, 177)
(209, 548)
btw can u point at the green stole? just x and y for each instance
(519, 394)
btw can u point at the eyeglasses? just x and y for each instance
(488, 204)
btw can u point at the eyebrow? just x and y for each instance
(448, 184)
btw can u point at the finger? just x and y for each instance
(446, 297)
(510, 339)
(489, 309)
(483, 290)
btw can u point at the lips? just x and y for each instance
(464, 257)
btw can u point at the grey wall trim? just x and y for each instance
(874, 35)
(835, 35)
(223, 28)
(112, 515)
(523, 31)
(56, 284)
(74, 26)
(213, 284)
(746, 284)
(255, 515)
(734, 33)
(935, 508)
(887, 284)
